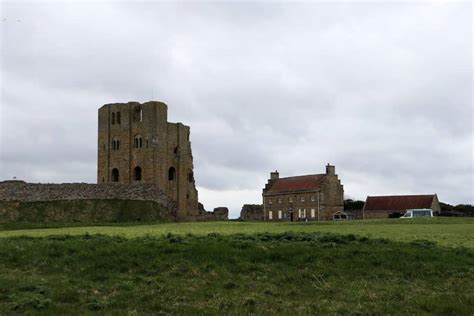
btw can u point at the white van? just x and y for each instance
(415, 213)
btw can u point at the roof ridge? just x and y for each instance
(307, 175)
(403, 195)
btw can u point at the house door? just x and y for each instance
(291, 216)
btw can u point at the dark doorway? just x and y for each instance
(137, 174)
(115, 175)
(291, 216)
(171, 174)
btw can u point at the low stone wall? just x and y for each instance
(251, 212)
(219, 213)
(87, 211)
(376, 214)
(35, 202)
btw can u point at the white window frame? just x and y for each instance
(313, 213)
(312, 198)
(270, 201)
(279, 200)
(304, 213)
(270, 215)
(280, 214)
(302, 199)
(299, 213)
(290, 199)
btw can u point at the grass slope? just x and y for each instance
(443, 231)
(285, 273)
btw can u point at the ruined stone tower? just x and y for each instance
(136, 143)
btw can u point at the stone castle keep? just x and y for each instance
(144, 172)
(137, 144)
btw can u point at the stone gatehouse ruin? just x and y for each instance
(137, 144)
(144, 172)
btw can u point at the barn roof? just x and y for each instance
(398, 202)
(298, 183)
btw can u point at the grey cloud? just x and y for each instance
(383, 91)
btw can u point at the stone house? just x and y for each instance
(396, 205)
(300, 198)
(137, 144)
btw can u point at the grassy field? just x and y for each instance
(443, 231)
(234, 268)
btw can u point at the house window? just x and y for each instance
(113, 118)
(137, 174)
(118, 117)
(279, 201)
(115, 175)
(291, 199)
(270, 201)
(313, 213)
(301, 213)
(302, 199)
(304, 213)
(270, 215)
(171, 173)
(312, 198)
(280, 214)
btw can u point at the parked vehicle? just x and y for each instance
(415, 213)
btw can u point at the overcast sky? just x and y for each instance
(383, 91)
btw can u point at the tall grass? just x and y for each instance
(262, 273)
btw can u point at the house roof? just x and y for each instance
(298, 183)
(398, 202)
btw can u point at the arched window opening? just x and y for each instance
(138, 142)
(113, 118)
(118, 117)
(115, 144)
(171, 174)
(190, 177)
(137, 174)
(115, 175)
(138, 115)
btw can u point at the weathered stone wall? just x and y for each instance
(163, 146)
(21, 201)
(83, 210)
(221, 213)
(251, 212)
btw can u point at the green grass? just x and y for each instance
(286, 273)
(393, 267)
(443, 231)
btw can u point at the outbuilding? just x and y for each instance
(396, 205)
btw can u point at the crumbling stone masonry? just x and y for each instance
(136, 144)
(251, 212)
(82, 202)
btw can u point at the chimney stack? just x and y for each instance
(274, 175)
(330, 170)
